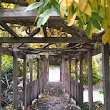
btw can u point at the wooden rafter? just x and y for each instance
(20, 2)
(44, 40)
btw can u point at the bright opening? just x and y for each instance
(54, 74)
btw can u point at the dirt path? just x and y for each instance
(54, 98)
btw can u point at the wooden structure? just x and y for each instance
(79, 47)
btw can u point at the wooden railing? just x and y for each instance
(33, 90)
(74, 90)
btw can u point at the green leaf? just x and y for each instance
(81, 23)
(39, 22)
(45, 13)
(96, 24)
(96, 17)
(43, 17)
(56, 6)
(88, 29)
(34, 6)
(46, 2)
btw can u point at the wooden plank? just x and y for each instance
(10, 52)
(90, 80)
(19, 13)
(15, 81)
(106, 75)
(0, 72)
(81, 81)
(24, 83)
(76, 82)
(43, 40)
(38, 76)
(70, 77)
(31, 71)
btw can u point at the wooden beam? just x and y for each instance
(31, 72)
(90, 80)
(81, 81)
(106, 75)
(44, 40)
(0, 73)
(70, 77)
(76, 82)
(20, 2)
(7, 28)
(10, 52)
(24, 82)
(15, 81)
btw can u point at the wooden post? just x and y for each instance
(76, 82)
(81, 81)
(15, 81)
(24, 83)
(70, 77)
(31, 71)
(61, 72)
(106, 75)
(90, 78)
(0, 73)
(38, 65)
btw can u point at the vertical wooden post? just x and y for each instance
(31, 70)
(38, 66)
(47, 69)
(24, 82)
(15, 81)
(81, 81)
(61, 72)
(90, 78)
(106, 75)
(0, 72)
(76, 81)
(70, 77)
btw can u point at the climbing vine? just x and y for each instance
(91, 15)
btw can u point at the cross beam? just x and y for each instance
(44, 40)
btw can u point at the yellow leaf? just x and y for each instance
(30, 1)
(105, 38)
(63, 7)
(94, 3)
(108, 3)
(87, 10)
(77, 1)
(72, 20)
(82, 4)
(69, 3)
(109, 40)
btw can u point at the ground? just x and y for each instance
(54, 98)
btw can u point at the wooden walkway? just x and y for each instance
(54, 98)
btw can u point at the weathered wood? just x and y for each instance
(90, 80)
(7, 28)
(43, 40)
(76, 81)
(0, 72)
(10, 52)
(38, 77)
(20, 2)
(81, 81)
(24, 83)
(61, 75)
(106, 75)
(31, 71)
(70, 77)
(15, 81)
(20, 14)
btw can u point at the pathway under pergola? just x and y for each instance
(79, 47)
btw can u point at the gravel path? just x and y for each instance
(54, 98)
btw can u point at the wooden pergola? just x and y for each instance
(79, 47)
